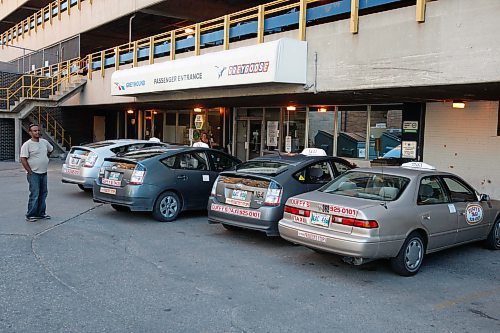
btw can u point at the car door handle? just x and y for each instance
(182, 177)
(426, 217)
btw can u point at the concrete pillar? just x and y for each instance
(18, 138)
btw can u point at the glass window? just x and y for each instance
(459, 191)
(319, 173)
(192, 161)
(367, 185)
(431, 192)
(222, 162)
(300, 176)
(169, 161)
(341, 167)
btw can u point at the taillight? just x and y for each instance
(273, 195)
(297, 211)
(214, 188)
(367, 224)
(138, 175)
(90, 160)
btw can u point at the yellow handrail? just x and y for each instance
(54, 127)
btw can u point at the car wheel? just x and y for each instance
(167, 207)
(81, 187)
(493, 240)
(120, 208)
(410, 257)
(231, 227)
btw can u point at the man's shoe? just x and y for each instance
(46, 216)
(31, 219)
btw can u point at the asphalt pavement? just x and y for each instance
(92, 269)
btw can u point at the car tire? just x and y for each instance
(167, 207)
(83, 188)
(119, 208)
(493, 240)
(231, 227)
(410, 256)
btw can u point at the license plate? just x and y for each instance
(111, 182)
(114, 176)
(74, 161)
(239, 195)
(320, 219)
(107, 190)
(72, 171)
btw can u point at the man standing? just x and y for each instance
(35, 160)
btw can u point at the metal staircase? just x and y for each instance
(29, 98)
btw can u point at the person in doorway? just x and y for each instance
(206, 139)
(35, 160)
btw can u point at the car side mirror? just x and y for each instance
(484, 197)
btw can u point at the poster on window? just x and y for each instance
(272, 133)
(409, 149)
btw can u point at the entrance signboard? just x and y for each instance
(409, 149)
(280, 61)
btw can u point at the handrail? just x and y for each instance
(54, 127)
(46, 14)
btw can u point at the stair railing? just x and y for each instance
(54, 127)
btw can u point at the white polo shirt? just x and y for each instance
(37, 154)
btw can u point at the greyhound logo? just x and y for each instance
(220, 71)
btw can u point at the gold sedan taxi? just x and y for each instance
(400, 213)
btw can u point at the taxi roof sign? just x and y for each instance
(313, 152)
(418, 166)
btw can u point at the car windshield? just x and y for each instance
(262, 167)
(367, 185)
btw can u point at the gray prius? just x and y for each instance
(400, 213)
(164, 181)
(83, 162)
(253, 195)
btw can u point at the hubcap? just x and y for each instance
(168, 206)
(413, 254)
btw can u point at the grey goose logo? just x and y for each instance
(220, 71)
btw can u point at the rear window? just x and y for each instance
(79, 151)
(367, 185)
(262, 167)
(100, 144)
(142, 154)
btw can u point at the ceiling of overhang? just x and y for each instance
(486, 91)
(162, 17)
(26, 10)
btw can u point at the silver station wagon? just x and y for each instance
(83, 162)
(400, 213)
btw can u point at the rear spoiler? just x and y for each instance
(120, 159)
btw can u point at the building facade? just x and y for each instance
(356, 78)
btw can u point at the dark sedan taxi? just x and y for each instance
(253, 195)
(164, 181)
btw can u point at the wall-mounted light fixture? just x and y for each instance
(197, 109)
(155, 112)
(458, 104)
(130, 111)
(291, 108)
(322, 110)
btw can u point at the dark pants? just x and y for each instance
(38, 194)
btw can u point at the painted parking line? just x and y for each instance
(466, 298)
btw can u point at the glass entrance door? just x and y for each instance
(248, 133)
